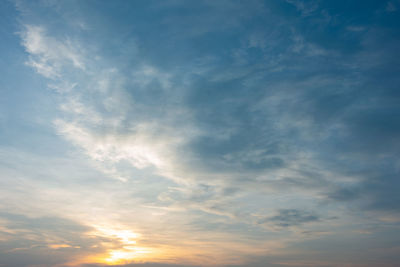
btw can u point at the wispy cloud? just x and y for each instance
(48, 55)
(290, 217)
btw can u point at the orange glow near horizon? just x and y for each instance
(127, 254)
(118, 245)
(122, 247)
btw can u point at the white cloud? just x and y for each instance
(138, 148)
(48, 55)
(98, 111)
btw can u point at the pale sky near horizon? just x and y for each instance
(169, 133)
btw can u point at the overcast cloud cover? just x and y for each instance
(199, 133)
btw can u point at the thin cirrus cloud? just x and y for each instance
(207, 133)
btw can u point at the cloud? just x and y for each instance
(45, 241)
(290, 217)
(201, 128)
(205, 124)
(306, 9)
(390, 7)
(47, 55)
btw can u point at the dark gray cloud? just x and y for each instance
(290, 217)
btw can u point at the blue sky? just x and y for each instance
(199, 133)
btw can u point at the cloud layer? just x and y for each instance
(221, 132)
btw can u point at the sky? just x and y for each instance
(166, 133)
